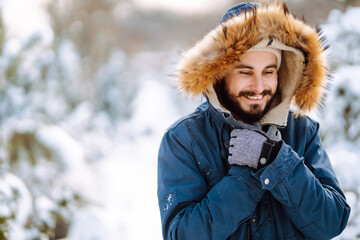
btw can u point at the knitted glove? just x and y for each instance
(246, 147)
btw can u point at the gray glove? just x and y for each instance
(245, 147)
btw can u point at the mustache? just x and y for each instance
(250, 93)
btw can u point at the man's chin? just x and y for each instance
(254, 109)
(254, 114)
(251, 117)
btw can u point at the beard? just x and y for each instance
(230, 102)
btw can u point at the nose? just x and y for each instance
(257, 84)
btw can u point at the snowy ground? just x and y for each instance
(128, 173)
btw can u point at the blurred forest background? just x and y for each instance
(86, 93)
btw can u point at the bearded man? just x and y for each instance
(243, 166)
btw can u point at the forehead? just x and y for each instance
(257, 59)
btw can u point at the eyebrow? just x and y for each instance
(242, 66)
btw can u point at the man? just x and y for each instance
(242, 166)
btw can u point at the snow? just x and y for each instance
(15, 204)
(107, 158)
(12, 47)
(131, 201)
(68, 57)
(87, 225)
(344, 75)
(340, 121)
(351, 19)
(67, 151)
(127, 173)
(45, 206)
(150, 115)
(345, 162)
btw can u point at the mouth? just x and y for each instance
(254, 97)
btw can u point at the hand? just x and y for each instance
(245, 147)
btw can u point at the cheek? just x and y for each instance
(235, 84)
(273, 84)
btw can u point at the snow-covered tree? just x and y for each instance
(341, 117)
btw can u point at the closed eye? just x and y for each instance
(245, 73)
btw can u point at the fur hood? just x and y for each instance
(302, 74)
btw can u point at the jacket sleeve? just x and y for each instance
(189, 209)
(307, 188)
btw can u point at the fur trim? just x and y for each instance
(212, 57)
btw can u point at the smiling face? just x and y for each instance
(248, 89)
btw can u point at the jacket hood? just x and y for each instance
(302, 74)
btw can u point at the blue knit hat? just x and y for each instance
(238, 9)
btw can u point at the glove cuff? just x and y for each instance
(268, 153)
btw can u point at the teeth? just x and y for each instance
(255, 97)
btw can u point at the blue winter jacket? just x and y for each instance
(201, 196)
